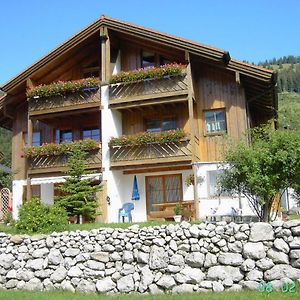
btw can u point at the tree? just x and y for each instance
(78, 191)
(262, 169)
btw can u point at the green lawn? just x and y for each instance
(60, 295)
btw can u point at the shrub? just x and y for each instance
(152, 72)
(148, 137)
(178, 209)
(61, 88)
(36, 217)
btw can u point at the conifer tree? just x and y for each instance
(78, 193)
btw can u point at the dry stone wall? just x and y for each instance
(170, 258)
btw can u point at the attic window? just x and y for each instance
(148, 59)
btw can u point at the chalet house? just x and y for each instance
(160, 125)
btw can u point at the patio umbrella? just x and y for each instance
(135, 190)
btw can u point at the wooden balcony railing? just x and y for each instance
(152, 153)
(57, 163)
(87, 98)
(166, 87)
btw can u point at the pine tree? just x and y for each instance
(78, 191)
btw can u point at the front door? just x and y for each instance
(162, 189)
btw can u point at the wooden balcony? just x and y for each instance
(147, 92)
(154, 154)
(57, 163)
(85, 99)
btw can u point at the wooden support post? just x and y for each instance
(29, 143)
(191, 106)
(105, 54)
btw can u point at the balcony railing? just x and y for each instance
(168, 86)
(57, 163)
(152, 153)
(87, 98)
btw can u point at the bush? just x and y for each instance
(36, 217)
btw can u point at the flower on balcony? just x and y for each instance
(150, 72)
(61, 88)
(148, 137)
(58, 149)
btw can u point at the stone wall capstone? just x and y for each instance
(176, 258)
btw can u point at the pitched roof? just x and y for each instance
(208, 52)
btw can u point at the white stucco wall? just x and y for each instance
(120, 190)
(17, 196)
(206, 203)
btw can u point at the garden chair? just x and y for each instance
(125, 211)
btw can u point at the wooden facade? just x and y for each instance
(212, 81)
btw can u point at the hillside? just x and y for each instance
(289, 110)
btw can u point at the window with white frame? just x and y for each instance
(213, 184)
(215, 121)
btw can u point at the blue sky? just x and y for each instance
(252, 30)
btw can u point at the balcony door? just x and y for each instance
(163, 189)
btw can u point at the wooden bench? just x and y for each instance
(166, 211)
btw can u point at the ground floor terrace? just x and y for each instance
(152, 193)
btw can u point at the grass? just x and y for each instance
(90, 226)
(62, 295)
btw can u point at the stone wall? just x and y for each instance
(177, 258)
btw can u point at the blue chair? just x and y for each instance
(125, 211)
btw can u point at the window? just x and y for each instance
(63, 136)
(163, 61)
(158, 125)
(213, 185)
(93, 134)
(164, 188)
(148, 59)
(36, 139)
(215, 121)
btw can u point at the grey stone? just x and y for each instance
(295, 254)
(295, 243)
(228, 282)
(254, 275)
(35, 264)
(6, 260)
(195, 259)
(291, 223)
(125, 284)
(75, 271)
(59, 275)
(86, 286)
(105, 285)
(67, 286)
(296, 230)
(281, 245)
(183, 289)
(158, 258)
(235, 288)
(248, 265)
(261, 232)
(254, 250)
(25, 275)
(278, 257)
(54, 257)
(127, 257)
(143, 257)
(147, 278)
(223, 272)
(38, 253)
(95, 265)
(250, 284)
(194, 230)
(48, 285)
(100, 256)
(210, 260)
(265, 264)
(217, 287)
(34, 284)
(72, 252)
(173, 245)
(10, 284)
(190, 275)
(155, 290)
(177, 260)
(127, 269)
(231, 259)
(43, 273)
(281, 271)
(166, 282)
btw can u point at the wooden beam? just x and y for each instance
(158, 169)
(105, 54)
(191, 105)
